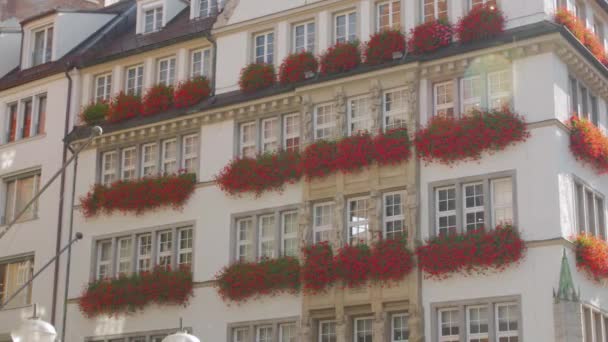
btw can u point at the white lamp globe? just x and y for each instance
(181, 337)
(34, 330)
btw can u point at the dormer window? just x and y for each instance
(207, 8)
(42, 48)
(153, 19)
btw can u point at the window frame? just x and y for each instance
(479, 335)
(582, 101)
(268, 49)
(193, 156)
(348, 35)
(156, 24)
(256, 143)
(436, 14)
(106, 87)
(598, 213)
(205, 62)
(392, 327)
(401, 217)
(250, 329)
(307, 35)
(123, 166)
(262, 239)
(5, 281)
(402, 112)
(509, 333)
(320, 330)
(351, 224)
(138, 80)
(391, 14)
(355, 327)
(15, 118)
(297, 135)
(9, 209)
(47, 51)
(210, 10)
(169, 73)
(332, 126)
(327, 228)
(289, 236)
(365, 118)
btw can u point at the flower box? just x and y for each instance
(139, 196)
(245, 280)
(390, 260)
(448, 140)
(589, 144)
(392, 147)
(95, 113)
(128, 294)
(318, 268)
(297, 67)
(592, 256)
(158, 99)
(352, 265)
(124, 107)
(578, 28)
(429, 37)
(482, 22)
(354, 153)
(265, 173)
(341, 57)
(257, 76)
(383, 46)
(318, 159)
(191, 92)
(473, 252)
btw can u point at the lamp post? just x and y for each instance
(34, 330)
(181, 336)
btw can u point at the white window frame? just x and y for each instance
(435, 10)
(333, 335)
(120, 259)
(185, 250)
(508, 333)
(391, 14)
(137, 79)
(192, 156)
(166, 76)
(156, 24)
(269, 337)
(394, 218)
(103, 92)
(110, 172)
(473, 101)
(448, 338)
(294, 135)
(165, 254)
(100, 263)
(495, 207)
(206, 11)
(267, 55)
(308, 35)
(393, 317)
(348, 35)
(205, 62)
(398, 97)
(480, 335)
(367, 118)
(282, 337)
(285, 237)
(475, 209)
(447, 213)
(331, 126)
(245, 243)
(502, 94)
(245, 334)
(169, 160)
(356, 330)
(151, 164)
(437, 108)
(326, 228)
(144, 257)
(273, 138)
(130, 168)
(243, 144)
(599, 211)
(267, 239)
(352, 224)
(47, 52)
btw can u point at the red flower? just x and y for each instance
(191, 92)
(579, 29)
(482, 22)
(592, 256)
(474, 251)
(341, 57)
(390, 260)
(393, 147)
(138, 196)
(157, 99)
(430, 36)
(382, 45)
(130, 293)
(257, 76)
(124, 107)
(318, 159)
(352, 265)
(295, 66)
(589, 144)
(318, 269)
(449, 140)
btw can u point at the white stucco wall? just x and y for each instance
(10, 43)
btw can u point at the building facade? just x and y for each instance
(535, 68)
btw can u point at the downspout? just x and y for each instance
(64, 157)
(213, 62)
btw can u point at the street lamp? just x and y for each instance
(181, 336)
(34, 330)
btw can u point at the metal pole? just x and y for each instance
(96, 131)
(24, 286)
(69, 256)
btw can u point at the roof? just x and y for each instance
(116, 39)
(235, 97)
(112, 9)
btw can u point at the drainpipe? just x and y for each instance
(213, 62)
(69, 66)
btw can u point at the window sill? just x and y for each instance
(20, 141)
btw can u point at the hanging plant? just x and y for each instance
(191, 92)
(592, 256)
(257, 76)
(430, 36)
(588, 144)
(579, 29)
(390, 260)
(392, 147)
(124, 107)
(94, 113)
(354, 153)
(318, 159)
(158, 99)
(341, 57)
(352, 265)
(318, 269)
(384, 46)
(297, 66)
(482, 22)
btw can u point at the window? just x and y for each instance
(264, 48)
(263, 334)
(324, 121)
(394, 109)
(166, 71)
(486, 202)
(358, 220)
(40, 117)
(322, 221)
(190, 153)
(493, 90)
(129, 163)
(598, 28)
(153, 19)
(184, 247)
(266, 239)
(104, 259)
(42, 50)
(240, 335)
(144, 252)
(153, 336)
(13, 275)
(19, 191)
(26, 118)
(291, 129)
(393, 218)
(270, 135)
(109, 164)
(327, 331)
(363, 329)
(149, 160)
(399, 328)
(477, 324)
(200, 63)
(590, 210)
(11, 132)
(449, 330)
(165, 249)
(125, 255)
(583, 102)
(289, 234)
(247, 137)
(169, 156)
(103, 87)
(435, 10)
(481, 2)
(579, 10)
(345, 29)
(134, 80)
(388, 15)
(304, 37)
(207, 8)
(287, 333)
(244, 248)
(359, 115)
(484, 320)
(573, 95)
